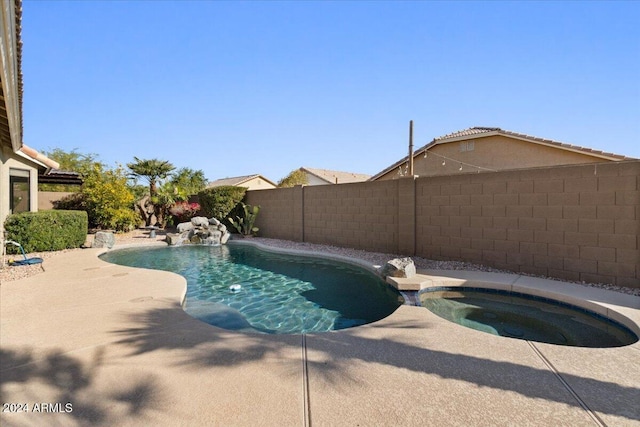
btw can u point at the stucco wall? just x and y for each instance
(314, 180)
(569, 222)
(257, 184)
(9, 160)
(494, 152)
(46, 199)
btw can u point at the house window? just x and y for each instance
(19, 191)
(467, 146)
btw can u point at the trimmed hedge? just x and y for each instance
(46, 230)
(219, 202)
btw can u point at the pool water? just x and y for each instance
(525, 317)
(240, 287)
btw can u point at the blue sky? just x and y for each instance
(236, 88)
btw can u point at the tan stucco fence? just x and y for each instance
(46, 198)
(577, 223)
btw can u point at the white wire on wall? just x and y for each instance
(444, 163)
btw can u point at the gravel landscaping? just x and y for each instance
(8, 273)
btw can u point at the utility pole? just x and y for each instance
(410, 147)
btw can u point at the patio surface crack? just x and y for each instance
(306, 404)
(566, 385)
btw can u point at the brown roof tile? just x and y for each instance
(337, 176)
(236, 180)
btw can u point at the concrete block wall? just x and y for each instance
(280, 215)
(362, 216)
(568, 222)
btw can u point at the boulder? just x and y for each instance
(104, 239)
(184, 226)
(200, 230)
(399, 267)
(173, 239)
(200, 221)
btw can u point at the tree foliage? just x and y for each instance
(70, 161)
(219, 202)
(152, 170)
(295, 177)
(188, 182)
(73, 160)
(108, 199)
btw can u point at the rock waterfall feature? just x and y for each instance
(200, 230)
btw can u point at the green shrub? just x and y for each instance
(219, 202)
(106, 199)
(46, 230)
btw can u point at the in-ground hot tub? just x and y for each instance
(527, 317)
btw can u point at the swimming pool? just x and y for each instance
(240, 287)
(521, 316)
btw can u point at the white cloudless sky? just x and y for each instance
(236, 88)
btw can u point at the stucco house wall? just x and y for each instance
(314, 180)
(9, 160)
(491, 149)
(257, 183)
(250, 182)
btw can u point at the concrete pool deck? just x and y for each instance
(114, 342)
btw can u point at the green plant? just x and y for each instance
(106, 198)
(46, 230)
(184, 211)
(218, 202)
(295, 177)
(244, 224)
(152, 170)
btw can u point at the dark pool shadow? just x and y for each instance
(209, 346)
(73, 381)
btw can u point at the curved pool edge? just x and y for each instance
(622, 308)
(334, 257)
(153, 244)
(355, 262)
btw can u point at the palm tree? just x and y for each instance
(151, 170)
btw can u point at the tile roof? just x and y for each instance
(37, 157)
(469, 132)
(480, 131)
(333, 177)
(236, 180)
(484, 131)
(12, 137)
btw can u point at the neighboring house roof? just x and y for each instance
(56, 176)
(481, 132)
(336, 177)
(237, 181)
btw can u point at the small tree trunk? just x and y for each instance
(146, 209)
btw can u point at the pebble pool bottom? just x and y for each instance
(525, 317)
(278, 293)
